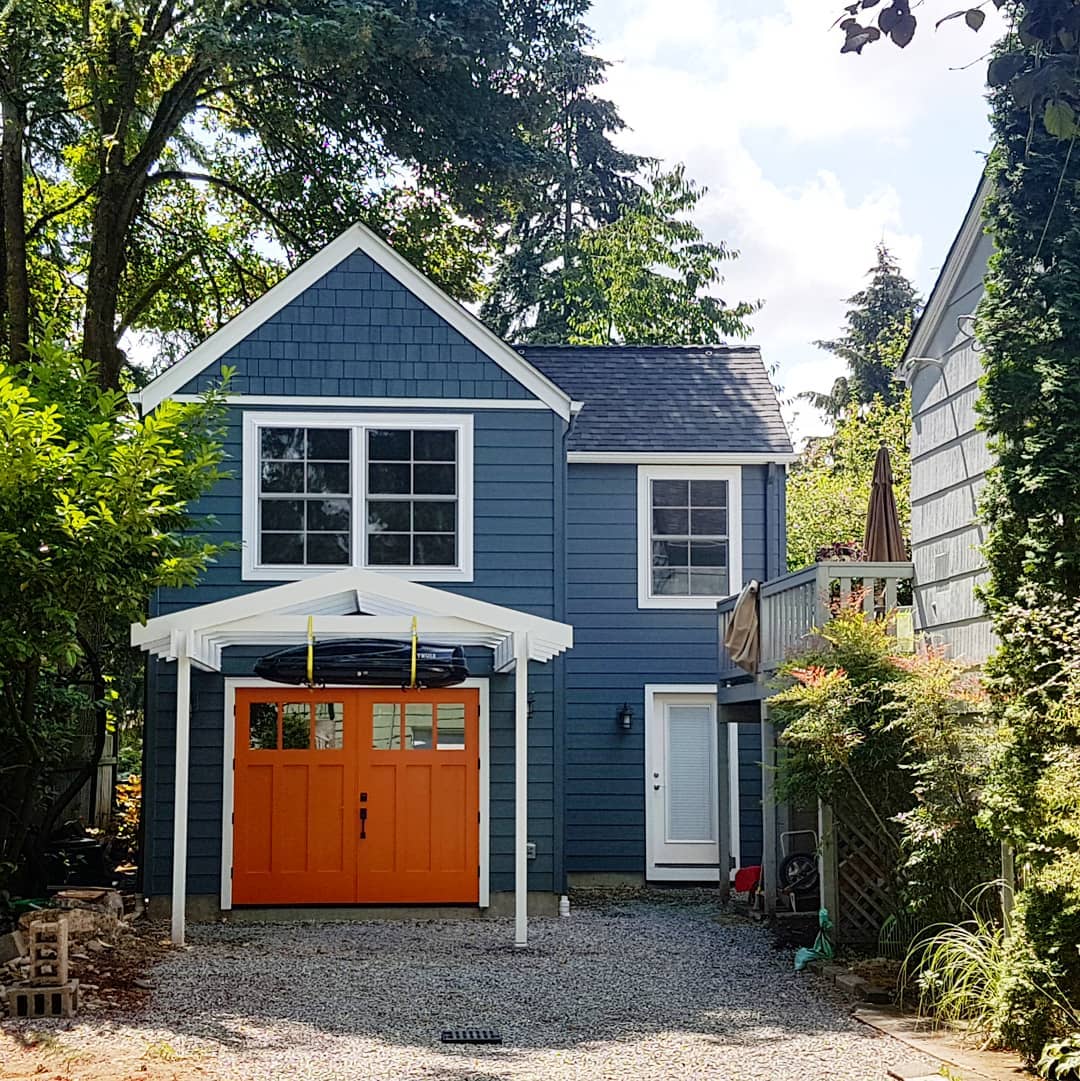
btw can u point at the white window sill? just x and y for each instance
(676, 603)
(412, 574)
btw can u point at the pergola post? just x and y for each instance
(768, 808)
(180, 789)
(723, 799)
(521, 788)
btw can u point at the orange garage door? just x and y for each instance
(354, 796)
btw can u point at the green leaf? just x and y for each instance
(1059, 119)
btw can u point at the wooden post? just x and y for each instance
(1008, 884)
(521, 789)
(828, 866)
(180, 796)
(768, 807)
(723, 800)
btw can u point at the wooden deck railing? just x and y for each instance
(791, 606)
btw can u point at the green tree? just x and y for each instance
(153, 152)
(828, 490)
(645, 278)
(94, 515)
(582, 182)
(880, 316)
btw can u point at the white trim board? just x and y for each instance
(648, 457)
(356, 238)
(357, 423)
(648, 473)
(228, 791)
(971, 232)
(315, 401)
(693, 874)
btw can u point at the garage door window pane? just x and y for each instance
(262, 726)
(418, 726)
(451, 726)
(386, 726)
(295, 726)
(329, 726)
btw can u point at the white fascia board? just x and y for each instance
(645, 457)
(314, 401)
(971, 232)
(207, 617)
(356, 238)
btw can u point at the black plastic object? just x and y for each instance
(366, 662)
(470, 1035)
(798, 873)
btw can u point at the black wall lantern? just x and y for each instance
(625, 717)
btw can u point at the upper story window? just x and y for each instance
(689, 535)
(387, 492)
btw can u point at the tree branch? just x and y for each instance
(163, 175)
(151, 291)
(59, 211)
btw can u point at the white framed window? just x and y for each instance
(689, 535)
(389, 492)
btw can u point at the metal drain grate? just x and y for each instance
(470, 1035)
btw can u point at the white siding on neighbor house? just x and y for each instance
(949, 460)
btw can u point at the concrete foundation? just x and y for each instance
(604, 880)
(202, 908)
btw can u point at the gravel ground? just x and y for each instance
(655, 987)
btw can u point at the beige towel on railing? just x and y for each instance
(742, 637)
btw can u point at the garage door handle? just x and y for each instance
(363, 823)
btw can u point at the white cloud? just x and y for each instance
(785, 131)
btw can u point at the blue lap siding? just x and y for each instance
(619, 649)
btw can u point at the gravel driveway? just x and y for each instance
(655, 987)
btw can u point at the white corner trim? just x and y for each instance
(356, 238)
(971, 232)
(647, 473)
(646, 457)
(228, 780)
(358, 423)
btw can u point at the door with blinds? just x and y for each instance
(682, 819)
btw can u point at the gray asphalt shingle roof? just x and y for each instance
(715, 398)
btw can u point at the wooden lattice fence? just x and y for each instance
(858, 874)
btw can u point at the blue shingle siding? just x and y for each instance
(694, 398)
(358, 332)
(619, 648)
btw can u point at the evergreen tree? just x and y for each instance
(582, 182)
(878, 315)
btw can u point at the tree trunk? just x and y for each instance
(107, 256)
(17, 286)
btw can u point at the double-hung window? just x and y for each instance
(689, 535)
(386, 492)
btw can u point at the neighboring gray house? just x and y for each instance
(949, 456)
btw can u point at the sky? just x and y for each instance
(811, 157)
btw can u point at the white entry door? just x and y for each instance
(682, 819)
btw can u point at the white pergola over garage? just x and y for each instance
(349, 604)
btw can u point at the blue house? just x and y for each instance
(569, 516)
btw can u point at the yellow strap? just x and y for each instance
(310, 650)
(412, 666)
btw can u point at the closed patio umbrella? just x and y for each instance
(884, 542)
(742, 639)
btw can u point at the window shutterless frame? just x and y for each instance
(358, 424)
(646, 474)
